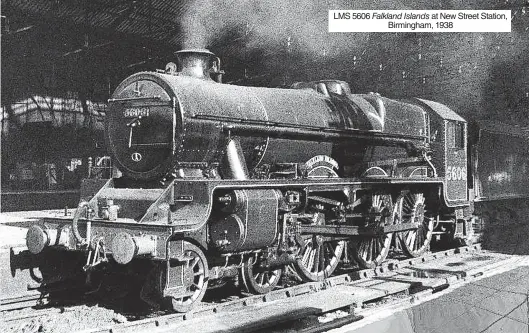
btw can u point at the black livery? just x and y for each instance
(221, 181)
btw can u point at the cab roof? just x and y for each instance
(441, 110)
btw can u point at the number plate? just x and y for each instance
(136, 112)
(456, 173)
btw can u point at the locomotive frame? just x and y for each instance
(201, 206)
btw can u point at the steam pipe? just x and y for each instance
(236, 161)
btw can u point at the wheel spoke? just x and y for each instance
(373, 249)
(328, 250)
(378, 247)
(421, 236)
(316, 260)
(362, 249)
(310, 261)
(412, 240)
(306, 254)
(195, 262)
(368, 249)
(323, 259)
(409, 202)
(267, 278)
(408, 237)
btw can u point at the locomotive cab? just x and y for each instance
(448, 141)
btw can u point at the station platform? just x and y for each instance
(498, 303)
(35, 200)
(13, 225)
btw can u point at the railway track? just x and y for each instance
(17, 282)
(23, 292)
(343, 298)
(408, 279)
(20, 287)
(21, 302)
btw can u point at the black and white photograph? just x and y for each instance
(264, 166)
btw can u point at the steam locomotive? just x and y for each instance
(220, 181)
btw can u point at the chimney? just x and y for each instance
(198, 63)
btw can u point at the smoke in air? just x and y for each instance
(273, 22)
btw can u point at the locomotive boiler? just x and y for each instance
(222, 181)
(158, 123)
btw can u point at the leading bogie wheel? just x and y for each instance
(193, 272)
(412, 208)
(196, 273)
(257, 280)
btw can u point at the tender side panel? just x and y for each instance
(501, 166)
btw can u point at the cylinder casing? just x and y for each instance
(249, 223)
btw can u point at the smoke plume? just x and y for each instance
(273, 22)
(478, 73)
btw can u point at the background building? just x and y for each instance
(61, 61)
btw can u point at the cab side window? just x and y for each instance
(435, 131)
(456, 135)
